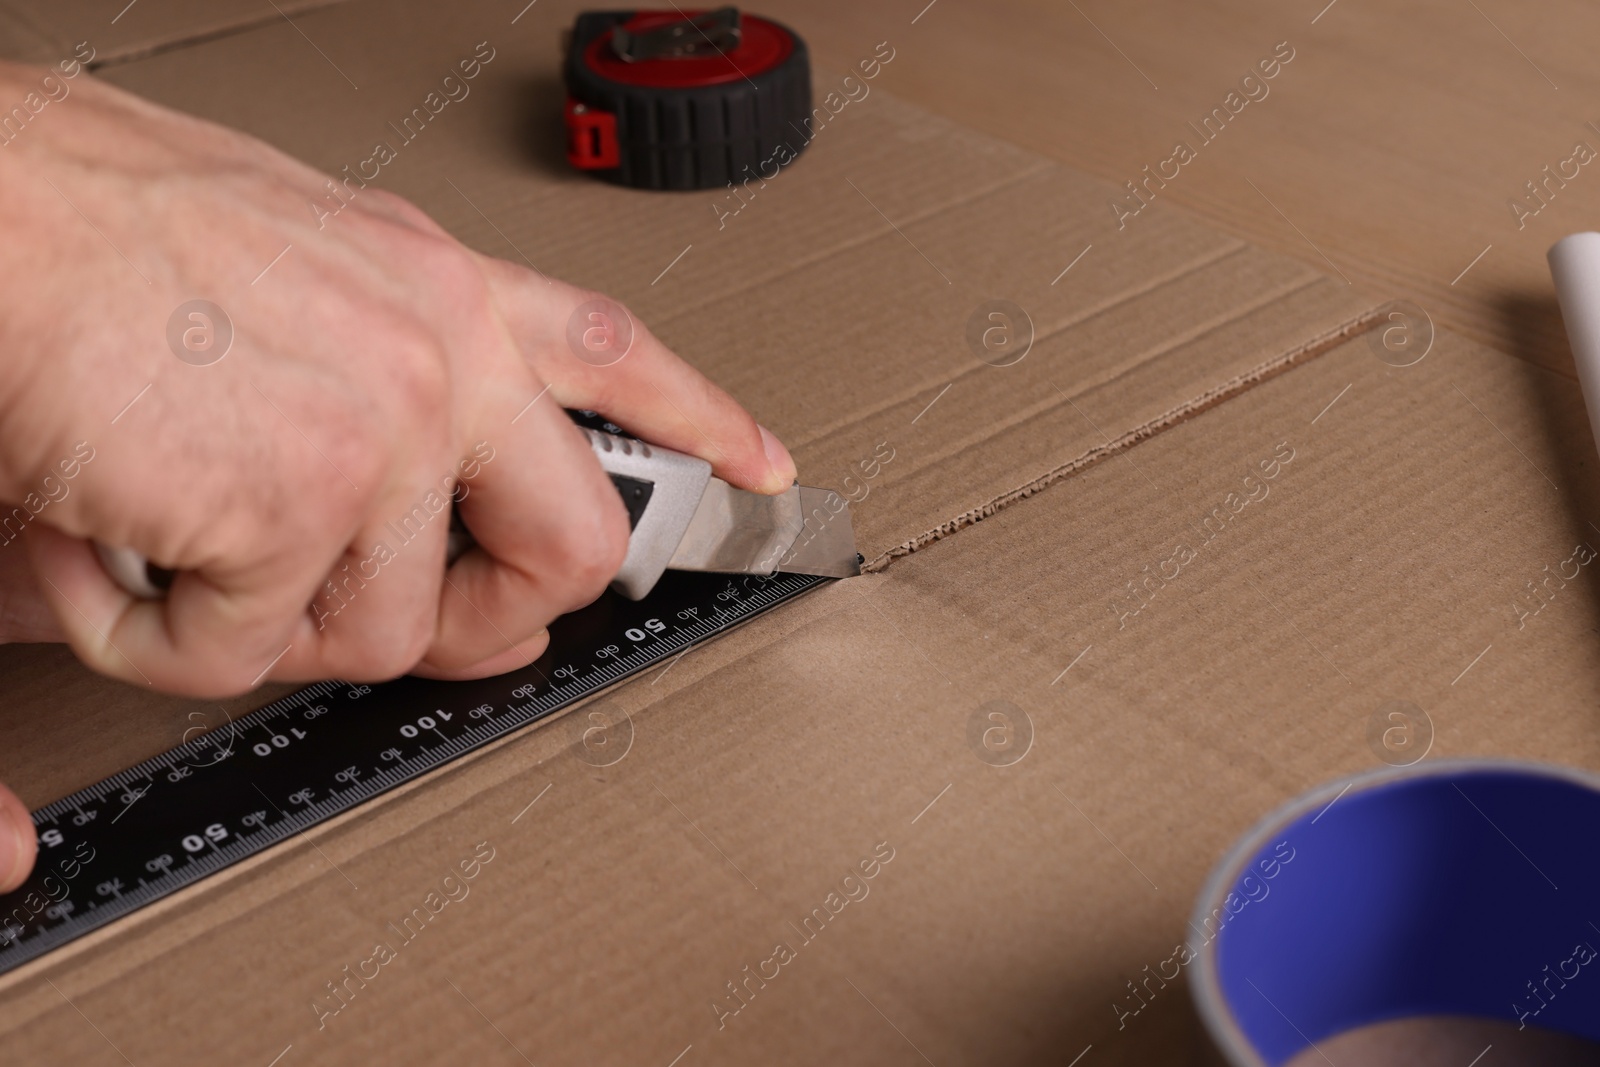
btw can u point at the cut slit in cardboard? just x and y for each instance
(636, 911)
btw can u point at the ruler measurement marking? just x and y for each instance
(320, 756)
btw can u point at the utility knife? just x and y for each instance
(681, 516)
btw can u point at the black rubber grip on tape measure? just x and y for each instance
(700, 137)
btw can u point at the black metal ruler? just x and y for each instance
(227, 794)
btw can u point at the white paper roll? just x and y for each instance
(1575, 265)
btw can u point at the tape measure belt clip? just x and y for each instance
(684, 99)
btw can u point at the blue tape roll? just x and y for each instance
(1460, 888)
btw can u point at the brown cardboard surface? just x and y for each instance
(1391, 145)
(1385, 560)
(1384, 563)
(46, 31)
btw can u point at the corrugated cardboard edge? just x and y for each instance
(1207, 400)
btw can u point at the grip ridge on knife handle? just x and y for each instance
(676, 484)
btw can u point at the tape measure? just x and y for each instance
(228, 794)
(684, 100)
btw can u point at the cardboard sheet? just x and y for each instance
(1020, 898)
(46, 31)
(805, 857)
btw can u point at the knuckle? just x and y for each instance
(349, 438)
(409, 645)
(409, 653)
(224, 652)
(419, 383)
(382, 660)
(381, 197)
(202, 677)
(403, 209)
(594, 546)
(321, 443)
(451, 269)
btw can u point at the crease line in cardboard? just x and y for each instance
(1182, 413)
(1153, 357)
(134, 53)
(1199, 330)
(1223, 251)
(688, 310)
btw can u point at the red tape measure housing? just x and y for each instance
(697, 117)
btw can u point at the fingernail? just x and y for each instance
(783, 469)
(13, 849)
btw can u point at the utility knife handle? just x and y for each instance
(660, 488)
(671, 484)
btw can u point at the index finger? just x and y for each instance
(629, 376)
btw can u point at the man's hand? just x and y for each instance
(376, 368)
